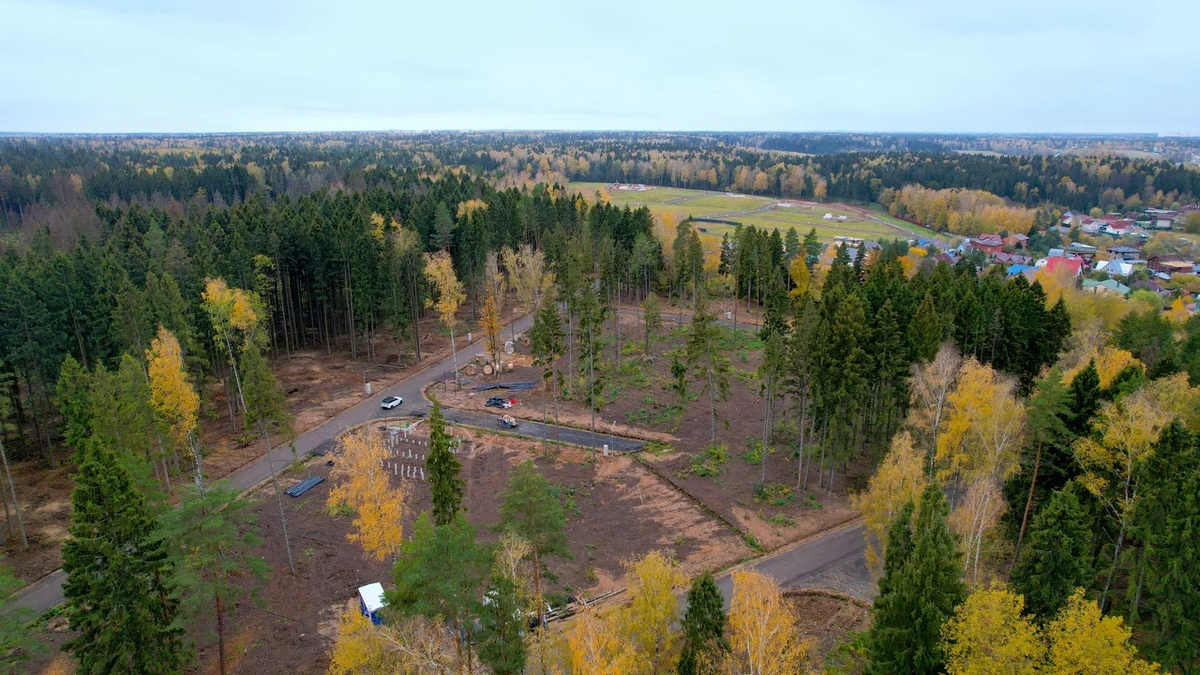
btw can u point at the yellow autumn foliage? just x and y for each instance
(1109, 360)
(898, 480)
(1082, 641)
(989, 634)
(465, 209)
(801, 276)
(416, 646)
(230, 308)
(984, 429)
(646, 622)
(594, 645)
(172, 396)
(763, 635)
(361, 483)
(439, 269)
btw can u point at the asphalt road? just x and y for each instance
(789, 567)
(793, 567)
(47, 592)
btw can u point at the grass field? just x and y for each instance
(761, 212)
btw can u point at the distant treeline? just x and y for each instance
(43, 172)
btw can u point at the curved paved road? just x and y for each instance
(793, 567)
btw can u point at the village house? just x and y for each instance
(1017, 240)
(991, 244)
(1072, 264)
(1115, 268)
(1080, 249)
(1106, 287)
(1171, 264)
(1124, 253)
(1162, 219)
(1152, 286)
(1118, 228)
(1013, 258)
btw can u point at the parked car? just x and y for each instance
(507, 421)
(390, 402)
(498, 402)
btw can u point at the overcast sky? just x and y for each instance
(863, 65)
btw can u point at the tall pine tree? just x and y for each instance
(922, 592)
(445, 483)
(704, 641)
(119, 597)
(1057, 559)
(1167, 520)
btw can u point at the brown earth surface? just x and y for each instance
(636, 404)
(827, 618)
(617, 510)
(318, 385)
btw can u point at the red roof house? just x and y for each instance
(1073, 264)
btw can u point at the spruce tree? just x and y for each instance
(926, 330)
(264, 407)
(119, 598)
(792, 241)
(886, 637)
(922, 593)
(210, 535)
(1052, 462)
(812, 247)
(445, 483)
(775, 317)
(1167, 520)
(704, 641)
(709, 363)
(74, 401)
(1085, 399)
(1056, 559)
(501, 622)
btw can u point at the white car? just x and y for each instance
(390, 402)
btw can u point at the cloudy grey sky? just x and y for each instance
(869, 65)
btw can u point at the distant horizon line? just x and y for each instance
(1019, 134)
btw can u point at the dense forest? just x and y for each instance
(41, 178)
(1020, 427)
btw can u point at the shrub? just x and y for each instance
(710, 460)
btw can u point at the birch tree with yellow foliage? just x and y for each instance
(234, 313)
(439, 269)
(990, 634)
(1126, 430)
(172, 396)
(416, 646)
(647, 622)
(595, 647)
(361, 483)
(1082, 641)
(764, 638)
(981, 446)
(899, 480)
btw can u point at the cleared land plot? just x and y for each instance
(649, 197)
(761, 212)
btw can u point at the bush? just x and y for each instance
(710, 461)
(774, 494)
(754, 452)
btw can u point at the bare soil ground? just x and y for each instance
(617, 510)
(637, 402)
(827, 618)
(319, 384)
